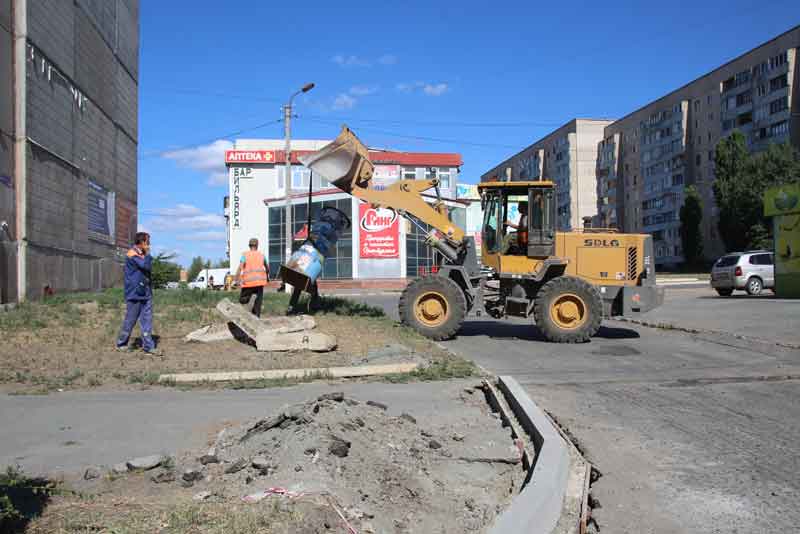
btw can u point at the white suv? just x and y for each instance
(751, 271)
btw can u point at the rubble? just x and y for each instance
(120, 468)
(145, 463)
(367, 465)
(92, 472)
(165, 476)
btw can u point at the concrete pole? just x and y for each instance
(287, 130)
(20, 143)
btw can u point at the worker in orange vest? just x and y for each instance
(252, 276)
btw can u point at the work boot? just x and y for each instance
(124, 348)
(154, 352)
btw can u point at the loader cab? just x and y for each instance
(509, 232)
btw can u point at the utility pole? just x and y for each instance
(287, 175)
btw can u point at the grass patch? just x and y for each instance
(22, 499)
(441, 369)
(284, 381)
(148, 378)
(25, 316)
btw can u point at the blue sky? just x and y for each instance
(482, 79)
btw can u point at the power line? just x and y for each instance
(160, 152)
(420, 137)
(442, 123)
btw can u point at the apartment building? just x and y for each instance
(568, 156)
(68, 142)
(647, 158)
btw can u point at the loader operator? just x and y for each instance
(521, 227)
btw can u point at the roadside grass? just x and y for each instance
(131, 516)
(67, 341)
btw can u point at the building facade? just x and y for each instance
(379, 245)
(568, 157)
(68, 141)
(648, 157)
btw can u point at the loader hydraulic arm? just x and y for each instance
(345, 163)
(405, 197)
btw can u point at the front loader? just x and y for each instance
(566, 281)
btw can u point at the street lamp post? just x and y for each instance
(287, 178)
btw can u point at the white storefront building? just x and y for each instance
(379, 245)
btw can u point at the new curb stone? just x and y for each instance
(553, 498)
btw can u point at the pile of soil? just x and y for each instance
(382, 473)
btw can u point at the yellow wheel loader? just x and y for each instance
(566, 280)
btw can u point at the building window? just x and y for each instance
(778, 83)
(442, 173)
(697, 105)
(761, 112)
(100, 210)
(709, 137)
(710, 155)
(781, 104)
(338, 265)
(744, 98)
(409, 173)
(708, 100)
(697, 160)
(777, 61)
(779, 128)
(762, 90)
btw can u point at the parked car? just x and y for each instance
(751, 271)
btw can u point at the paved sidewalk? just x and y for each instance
(66, 432)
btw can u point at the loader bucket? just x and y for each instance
(344, 162)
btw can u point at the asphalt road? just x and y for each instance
(692, 433)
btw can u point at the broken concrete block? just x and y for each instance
(202, 496)
(192, 475)
(314, 341)
(120, 468)
(339, 447)
(241, 317)
(286, 325)
(210, 333)
(92, 472)
(163, 477)
(260, 463)
(236, 466)
(145, 463)
(337, 396)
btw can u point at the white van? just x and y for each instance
(208, 277)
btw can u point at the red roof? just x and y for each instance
(415, 159)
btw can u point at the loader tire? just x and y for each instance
(434, 306)
(568, 310)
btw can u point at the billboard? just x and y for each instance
(379, 232)
(249, 156)
(782, 203)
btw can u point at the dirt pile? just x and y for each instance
(378, 472)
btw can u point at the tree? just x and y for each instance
(691, 216)
(164, 270)
(197, 265)
(734, 196)
(223, 264)
(739, 189)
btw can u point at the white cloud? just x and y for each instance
(387, 59)
(363, 90)
(430, 89)
(435, 89)
(350, 61)
(142, 228)
(208, 158)
(184, 217)
(344, 101)
(203, 236)
(179, 210)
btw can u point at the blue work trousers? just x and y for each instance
(142, 311)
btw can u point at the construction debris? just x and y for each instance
(377, 471)
(277, 334)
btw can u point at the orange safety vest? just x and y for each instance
(254, 273)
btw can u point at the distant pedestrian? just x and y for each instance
(252, 275)
(210, 282)
(138, 295)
